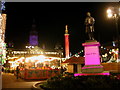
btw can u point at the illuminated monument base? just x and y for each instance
(92, 59)
(86, 74)
(92, 69)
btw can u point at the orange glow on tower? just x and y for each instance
(66, 42)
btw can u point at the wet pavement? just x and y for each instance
(9, 82)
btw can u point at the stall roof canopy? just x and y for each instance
(75, 60)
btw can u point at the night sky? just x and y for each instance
(51, 18)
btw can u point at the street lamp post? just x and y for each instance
(114, 12)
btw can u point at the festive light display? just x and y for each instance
(2, 34)
(34, 52)
(40, 59)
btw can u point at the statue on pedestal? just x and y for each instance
(89, 22)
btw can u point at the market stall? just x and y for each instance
(38, 73)
(38, 67)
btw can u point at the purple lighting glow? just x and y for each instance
(33, 40)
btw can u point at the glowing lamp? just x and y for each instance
(109, 15)
(109, 11)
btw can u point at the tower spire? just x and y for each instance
(33, 23)
(66, 29)
(33, 38)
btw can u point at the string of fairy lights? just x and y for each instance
(2, 32)
(80, 53)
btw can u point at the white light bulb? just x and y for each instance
(109, 15)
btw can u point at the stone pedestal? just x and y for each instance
(92, 57)
(92, 69)
(92, 60)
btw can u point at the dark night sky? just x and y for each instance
(51, 19)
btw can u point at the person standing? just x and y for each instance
(17, 72)
(62, 70)
(2, 69)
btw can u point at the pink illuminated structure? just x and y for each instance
(92, 60)
(66, 42)
(92, 56)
